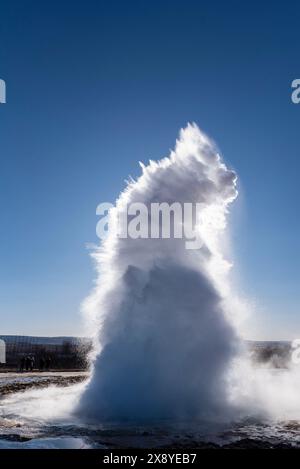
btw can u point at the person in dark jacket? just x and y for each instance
(22, 363)
(27, 363)
(42, 363)
(48, 363)
(32, 361)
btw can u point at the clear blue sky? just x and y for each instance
(93, 87)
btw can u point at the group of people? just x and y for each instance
(27, 363)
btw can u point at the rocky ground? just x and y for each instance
(14, 382)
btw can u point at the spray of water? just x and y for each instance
(166, 318)
(266, 393)
(165, 325)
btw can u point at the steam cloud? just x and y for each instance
(165, 329)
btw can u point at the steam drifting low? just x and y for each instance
(163, 314)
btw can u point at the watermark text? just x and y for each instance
(2, 91)
(155, 221)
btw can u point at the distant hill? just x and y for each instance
(14, 339)
(64, 352)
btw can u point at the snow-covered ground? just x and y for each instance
(13, 382)
(37, 374)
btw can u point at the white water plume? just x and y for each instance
(163, 314)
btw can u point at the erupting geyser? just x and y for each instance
(165, 326)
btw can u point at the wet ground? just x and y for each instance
(36, 412)
(12, 382)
